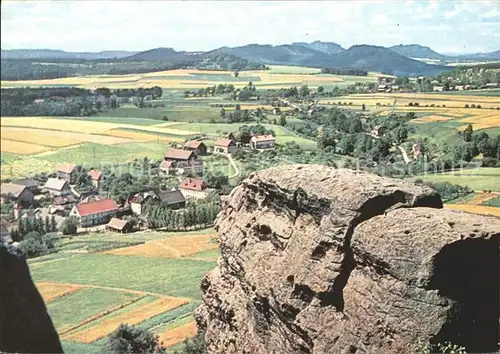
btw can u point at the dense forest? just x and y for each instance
(69, 101)
(33, 69)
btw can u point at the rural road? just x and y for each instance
(405, 155)
(235, 166)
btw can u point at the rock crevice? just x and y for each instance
(318, 260)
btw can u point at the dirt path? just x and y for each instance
(235, 166)
(405, 155)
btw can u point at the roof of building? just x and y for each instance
(27, 182)
(55, 184)
(193, 184)
(99, 206)
(224, 142)
(11, 189)
(166, 164)
(95, 175)
(140, 197)
(176, 154)
(66, 168)
(64, 200)
(117, 224)
(171, 197)
(267, 137)
(193, 144)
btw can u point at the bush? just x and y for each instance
(35, 244)
(131, 339)
(195, 345)
(69, 226)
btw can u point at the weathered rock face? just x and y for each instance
(318, 260)
(25, 326)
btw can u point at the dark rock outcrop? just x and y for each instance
(25, 326)
(318, 260)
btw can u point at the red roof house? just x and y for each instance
(94, 212)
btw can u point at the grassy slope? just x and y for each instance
(175, 277)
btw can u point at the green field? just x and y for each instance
(494, 202)
(94, 154)
(484, 178)
(174, 277)
(74, 308)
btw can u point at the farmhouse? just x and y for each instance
(226, 146)
(94, 213)
(377, 131)
(173, 199)
(197, 146)
(181, 162)
(118, 225)
(194, 188)
(262, 141)
(138, 200)
(66, 172)
(57, 187)
(97, 178)
(30, 184)
(382, 88)
(15, 193)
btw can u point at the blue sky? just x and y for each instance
(446, 26)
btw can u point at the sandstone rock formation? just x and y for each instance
(25, 326)
(318, 260)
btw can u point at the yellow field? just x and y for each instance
(480, 198)
(476, 209)
(51, 291)
(178, 334)
(132, 317)
(175, 246)
(18, 147)
(482, 120)
(170, 79)
(432, 118)
(59, 124)
(38, 137)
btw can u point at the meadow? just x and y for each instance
(150, 279)
(479, 179)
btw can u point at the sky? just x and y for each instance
(94, 25)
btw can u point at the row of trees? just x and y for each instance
(161, 216)
(67, 101)
(345, 71)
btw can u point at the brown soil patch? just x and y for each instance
(171, 247)
(476, 209)
(176, 335)
(52, 291)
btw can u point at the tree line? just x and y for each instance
(35, 235)
(160, 216)
(67, 101)
(344, 71)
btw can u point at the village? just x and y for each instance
(56, 201)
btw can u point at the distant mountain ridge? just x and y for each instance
(417, 51)
(325, 47)
(61, 54)
(398, 60)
